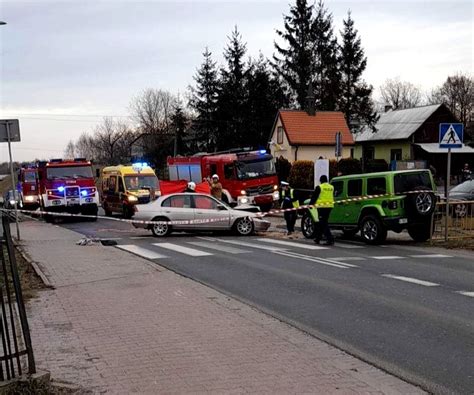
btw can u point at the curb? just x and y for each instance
(35, 266)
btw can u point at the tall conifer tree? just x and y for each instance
(203, 100)
(355, 98)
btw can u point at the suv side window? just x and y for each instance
(338, 188)
(376, 186)
(354, 187)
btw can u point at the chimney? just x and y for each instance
(387, 108)
(310, 106)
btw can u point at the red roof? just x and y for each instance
(320, 129)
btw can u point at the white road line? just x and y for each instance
(411, 280)
(182, 249)
(140, 237)
(387, 257)
(345, 245)
(348, 258)
(218, 247)
(322, 261)
(431, 256)
(292, 244)
(244, 244)
(143, 252)
(466, 293)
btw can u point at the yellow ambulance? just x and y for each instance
(123, 187)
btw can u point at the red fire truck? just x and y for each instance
(247, 177)
(67, 186)
(28, 186)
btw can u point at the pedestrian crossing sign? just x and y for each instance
(451, 135)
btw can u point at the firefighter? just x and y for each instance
(289, 201)
(323, 196)
(216, 187)
(191, 187)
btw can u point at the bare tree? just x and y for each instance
(70, 151)
(400, 94)
(457, 93)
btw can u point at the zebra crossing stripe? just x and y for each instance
(182, 249)
(218, 247)
(293, 244)
(140, 251)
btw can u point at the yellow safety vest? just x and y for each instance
(295, 203)
(326, 196)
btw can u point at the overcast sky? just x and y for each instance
(65, 64)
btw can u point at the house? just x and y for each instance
(410, 134)
(308, 135)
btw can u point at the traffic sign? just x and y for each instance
(9, 127)
(451, 135)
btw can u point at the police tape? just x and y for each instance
(342, 201)
(130, 221)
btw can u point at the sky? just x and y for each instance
(66, 63)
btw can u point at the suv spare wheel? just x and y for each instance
(421, 203)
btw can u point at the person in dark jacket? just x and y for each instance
(289, 201)
(191, 187)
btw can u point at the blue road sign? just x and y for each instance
(451, 135)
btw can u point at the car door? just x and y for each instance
(353, 208)
(210, 214)
(179, 208)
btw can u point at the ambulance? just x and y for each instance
(123, 187)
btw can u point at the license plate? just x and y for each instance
(72, 202)
(403, 220)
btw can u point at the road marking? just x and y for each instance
(322, 261)
(411, 280)
(143, 252)
(466, 293)
(244, 244)
(292, 244)
(345, 245)
(431, 256)
(387, 257)
(140, 237)
(219, 247)
(182, 249)
(348, 258)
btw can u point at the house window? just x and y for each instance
(395, 154)
(280, 135)
(369, 153)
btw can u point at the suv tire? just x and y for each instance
(307, 225)
(421, 204)
(372, 229)
(421, 232)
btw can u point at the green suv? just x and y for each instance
(408, 202)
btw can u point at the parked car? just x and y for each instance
(400, 207)
(196, 212)
(9, 200)
(460, 193)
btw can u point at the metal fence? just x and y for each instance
(457, 224)
(16, 352)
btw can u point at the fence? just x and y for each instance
(459, 222)
(17, 354)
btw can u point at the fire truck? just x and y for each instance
(247, 177)
(28, 187)
(67, 186)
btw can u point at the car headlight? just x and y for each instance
(275, 187)
(243, 192)
(132, 198)
(244, 200)
(12, 202)
(276, 195)
(29, 198)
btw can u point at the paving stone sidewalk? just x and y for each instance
(116, 323)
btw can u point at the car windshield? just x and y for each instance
(255, 169)
(465, 187)
(30, 176)
(405, 182)
(69, 172)
(140, 182)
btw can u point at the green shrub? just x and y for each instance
(283, 168)
(302, 174)
(345, 167)
(375, 165)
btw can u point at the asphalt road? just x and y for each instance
(406, 309)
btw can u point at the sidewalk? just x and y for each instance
(116, 323)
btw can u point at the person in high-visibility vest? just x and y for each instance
(289, 201)
(323, 197)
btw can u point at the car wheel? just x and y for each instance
(421, 233)
(162, 229)
(307, 225)
(244, 226)
(372, 230)
(422, 203)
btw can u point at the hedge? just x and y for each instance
(302, 174)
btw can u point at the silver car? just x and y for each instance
(195, 212)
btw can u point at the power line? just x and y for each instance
(75, 115)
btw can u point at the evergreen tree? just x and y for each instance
(355, 98)
(265, 97)
(203, 100)
(327, 76)
(179, 126)
(232, 95)
(296, 65)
